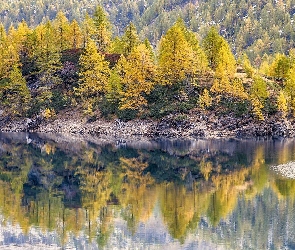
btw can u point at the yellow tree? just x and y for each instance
(290, 88)
(88, 29)
(282, 103)
(175, 57)
(75, 35)
(94, 72)
(62, 30)
(200, 62)
(137, 73)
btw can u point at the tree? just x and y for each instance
(88, 29)
(219, 54)
(246, 64)
(129, 39)
(102, 29)
(290, 88)
(94, 72)
(280, 67)
(258, 95)
(76, 35)
(137, 73)
(282, 103)
(62, 30)
(205, 100)
(200, 62)
(175, 57)
(14, 93)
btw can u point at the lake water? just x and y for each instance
(66, 193)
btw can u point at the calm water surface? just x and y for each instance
(66, 193)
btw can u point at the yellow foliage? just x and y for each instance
(48, 113)
(256, 107)
(205, 100)
(136, 72)
(282, 103)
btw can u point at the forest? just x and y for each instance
(83, 65)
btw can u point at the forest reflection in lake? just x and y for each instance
(68, 193)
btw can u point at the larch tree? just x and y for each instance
(175, 57)
(94, 72)
(14, 93)
(200, 62)
(137, 72)
(290, 88)
(88, 29)
(62, 30)
(219, 55)
(102, 29)
(130, 39)
(282, 103)
(280, 66)
(76, 35)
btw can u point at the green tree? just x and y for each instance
(219, 54)
(14, 93)
(102, 34)
(130, 39)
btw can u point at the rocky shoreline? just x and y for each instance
(186, 126)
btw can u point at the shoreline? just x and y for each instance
(205, 126)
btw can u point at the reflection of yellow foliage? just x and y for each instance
(283, 188)
(206, 168)
(177, 208)
(137, 196)
(48, 148)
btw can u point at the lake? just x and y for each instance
(59, 192)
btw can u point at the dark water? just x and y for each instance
(65, 193)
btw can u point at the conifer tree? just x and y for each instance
(14, 93)
(280, 66)
(219, 54)
(62, 30)
(282, 103)
(76, 35)
(88, 29)
(129, 39)
(94, 72)
(175, 57)
(137, 72)
(102, 29)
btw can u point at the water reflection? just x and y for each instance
(204, 194)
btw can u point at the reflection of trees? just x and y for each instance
(84, 191)
(137, 195)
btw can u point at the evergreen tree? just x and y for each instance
(129, 39)
(102, 33)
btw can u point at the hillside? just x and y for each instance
(256, 27)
